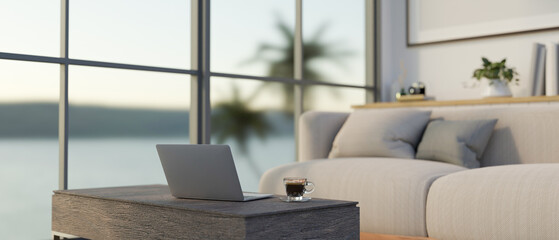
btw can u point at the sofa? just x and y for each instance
(513, 194)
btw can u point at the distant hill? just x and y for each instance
(40, 120)
(29, 120)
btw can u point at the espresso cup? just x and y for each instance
(296, 187)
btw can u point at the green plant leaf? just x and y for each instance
(477, 74)
(495, 70)
(485, 62)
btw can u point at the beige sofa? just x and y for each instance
(514, 195)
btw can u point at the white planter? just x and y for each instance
(497, 88)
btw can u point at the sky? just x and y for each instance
(157, 33)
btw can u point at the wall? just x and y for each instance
(446, 67)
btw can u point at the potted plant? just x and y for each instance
(499, 76)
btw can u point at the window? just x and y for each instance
(129, 78)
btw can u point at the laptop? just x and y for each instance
(202, 172)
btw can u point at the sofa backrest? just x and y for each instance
(525, 132)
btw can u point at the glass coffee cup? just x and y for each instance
(296, 187)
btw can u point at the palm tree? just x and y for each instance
(234, 119)
(313, 49)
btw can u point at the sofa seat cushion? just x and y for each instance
(391, 192)
(502, 202)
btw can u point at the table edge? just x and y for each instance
(339, 203)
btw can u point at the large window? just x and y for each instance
(136, 74)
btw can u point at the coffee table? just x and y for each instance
(144, 212)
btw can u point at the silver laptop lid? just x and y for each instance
(200, 171)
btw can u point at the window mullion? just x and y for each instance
(200, 111)
(63, 100)
(298, 70)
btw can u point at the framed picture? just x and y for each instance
(435, 21)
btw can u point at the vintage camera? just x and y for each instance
(417, 88)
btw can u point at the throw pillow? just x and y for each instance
(457, 142)
(380, 133)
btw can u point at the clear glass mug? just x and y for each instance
(296, 187)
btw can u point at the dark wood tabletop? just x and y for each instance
(159, 195)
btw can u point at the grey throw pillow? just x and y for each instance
(457, 142)
(380, 133)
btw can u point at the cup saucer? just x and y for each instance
(304, 199)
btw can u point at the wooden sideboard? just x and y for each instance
(495, 100)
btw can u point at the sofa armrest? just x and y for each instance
(317, 131)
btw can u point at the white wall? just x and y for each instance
(444, 67)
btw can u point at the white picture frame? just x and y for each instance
(519, 23)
